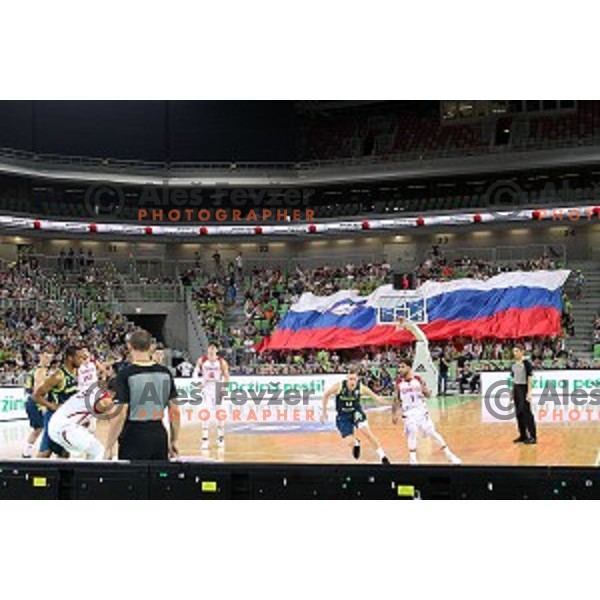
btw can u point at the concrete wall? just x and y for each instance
(176, 325)
(8, 252)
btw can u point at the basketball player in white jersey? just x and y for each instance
(411, 394)
(88, 375)
(69, 426)
(211, 370)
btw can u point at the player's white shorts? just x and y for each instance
(75, 438)
(209, 402)
(418, 419)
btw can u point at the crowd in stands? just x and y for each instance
(268, 293)
(209, 298)
(579, 284)
(17, 284)
(439, 267)
(32, 321)
(261, 298)
(466, 359)
(567, 321)
(265, 295)
(597, 329)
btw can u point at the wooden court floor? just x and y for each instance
(457, 419)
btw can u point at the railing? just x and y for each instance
(117, 268)
(156, 168)
(509, 254)
(56, 263)
(152, 292)
(13, 379)
(129, 270)
(239, 358)
(21, 157)
(310, 262)
(49, 287)
(35, 304)
(556, 252)
(199, 343)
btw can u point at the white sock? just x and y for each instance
(380, 452)
(95, 450)
(412, 455)
(356, 442)
(28, 450)
(452, 457)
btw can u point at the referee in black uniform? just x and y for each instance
(522, 374)
(144, 391)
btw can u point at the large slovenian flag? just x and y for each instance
(508, 306)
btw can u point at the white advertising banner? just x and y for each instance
(12, 403)
(264, 398)
(561, 396)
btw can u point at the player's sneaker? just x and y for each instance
(385, 460)
(27, 451)
(452, 458)
(412, 459)
(356, 449)
(204, 445)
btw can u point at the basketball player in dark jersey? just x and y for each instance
(351, 417)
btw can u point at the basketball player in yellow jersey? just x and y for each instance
(59, 386)
(34, 412)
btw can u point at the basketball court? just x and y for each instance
(458, 419)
